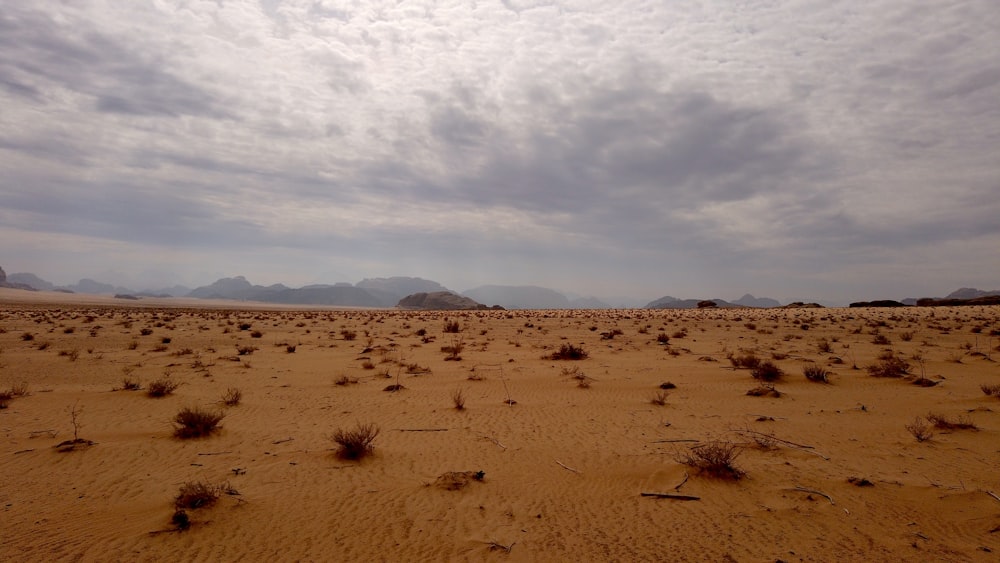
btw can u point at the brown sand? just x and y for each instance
(563, 468)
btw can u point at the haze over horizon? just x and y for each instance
(791, 150)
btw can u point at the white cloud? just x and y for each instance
(676, 142)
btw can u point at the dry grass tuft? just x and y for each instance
(458, 399)
(815, 372)
(919, 429)
(196, 422)
(356, 443)
(715, 458)
(942, 422)
(767, 371)
(161, 387)
(232, 397)
(889, 365)
(568, 352)
(659, 398)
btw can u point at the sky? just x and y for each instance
(799, 150)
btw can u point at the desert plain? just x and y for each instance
(592, 459)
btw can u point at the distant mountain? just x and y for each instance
(971, 293)
(340, 295)
(588, 303)
(395, 288)
(225, 288)
(669, 302)
(87, 285)
(31, 280)
(438, 300)
(519, 297)
(751, 301)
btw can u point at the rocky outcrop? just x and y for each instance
(5, 283)
(438, 301)
(878, 303)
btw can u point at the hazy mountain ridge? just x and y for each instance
(387, 292)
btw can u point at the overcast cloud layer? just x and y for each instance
(796, 149)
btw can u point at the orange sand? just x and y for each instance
(564, 466)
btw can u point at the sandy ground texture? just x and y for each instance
(594, 459)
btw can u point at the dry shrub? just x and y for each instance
(161, 387)
(458, 399)
(343, 381)
(452, 327)
(767, 371)
(5, 398)
(889, 365)
(919, 429)
(942, 422)
(197, 494)
(245, 350)
(129, 384)
(290, 349)
(744, 359)
(990, 390)
(659, 398)
(232, 397)
(356, 443)
(815, 372)
(569, 352)
(196, 422)
(764, 390)
(457, 480)
(715, 458)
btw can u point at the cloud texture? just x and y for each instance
(794, 149)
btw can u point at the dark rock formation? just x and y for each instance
(438, 300)
(878, 303)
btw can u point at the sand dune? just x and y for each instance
(563, 467)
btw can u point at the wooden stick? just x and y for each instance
(992, 494)
(497, 545)
(678, 487)
(215, 453)
(282, 441)
(566, 467)
(495, 441)
(803, 447)
(670, 496)
(814, 491)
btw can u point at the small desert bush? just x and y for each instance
(196, 422)
(232, 397)
(367, 364)
(659, 398)
(5, 398)
(716, 458)
(27, 337)
(197, 494)
(356, 443)
(942, 422)
(343, 380)
(823, 345)
(129, 384)
(990, 390)
(662, 338)
(919, 429)
(747, 360)
(815, 372)
(452, 326)
(881, 340)
(256, 334)
(161, 387)
(767, 371)
(348, 334)
(906, 336)
(458, 399)
(889, 365)
(290, 349)
(764, 390)
(568, 352)
(245, 350)
(18, 389)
